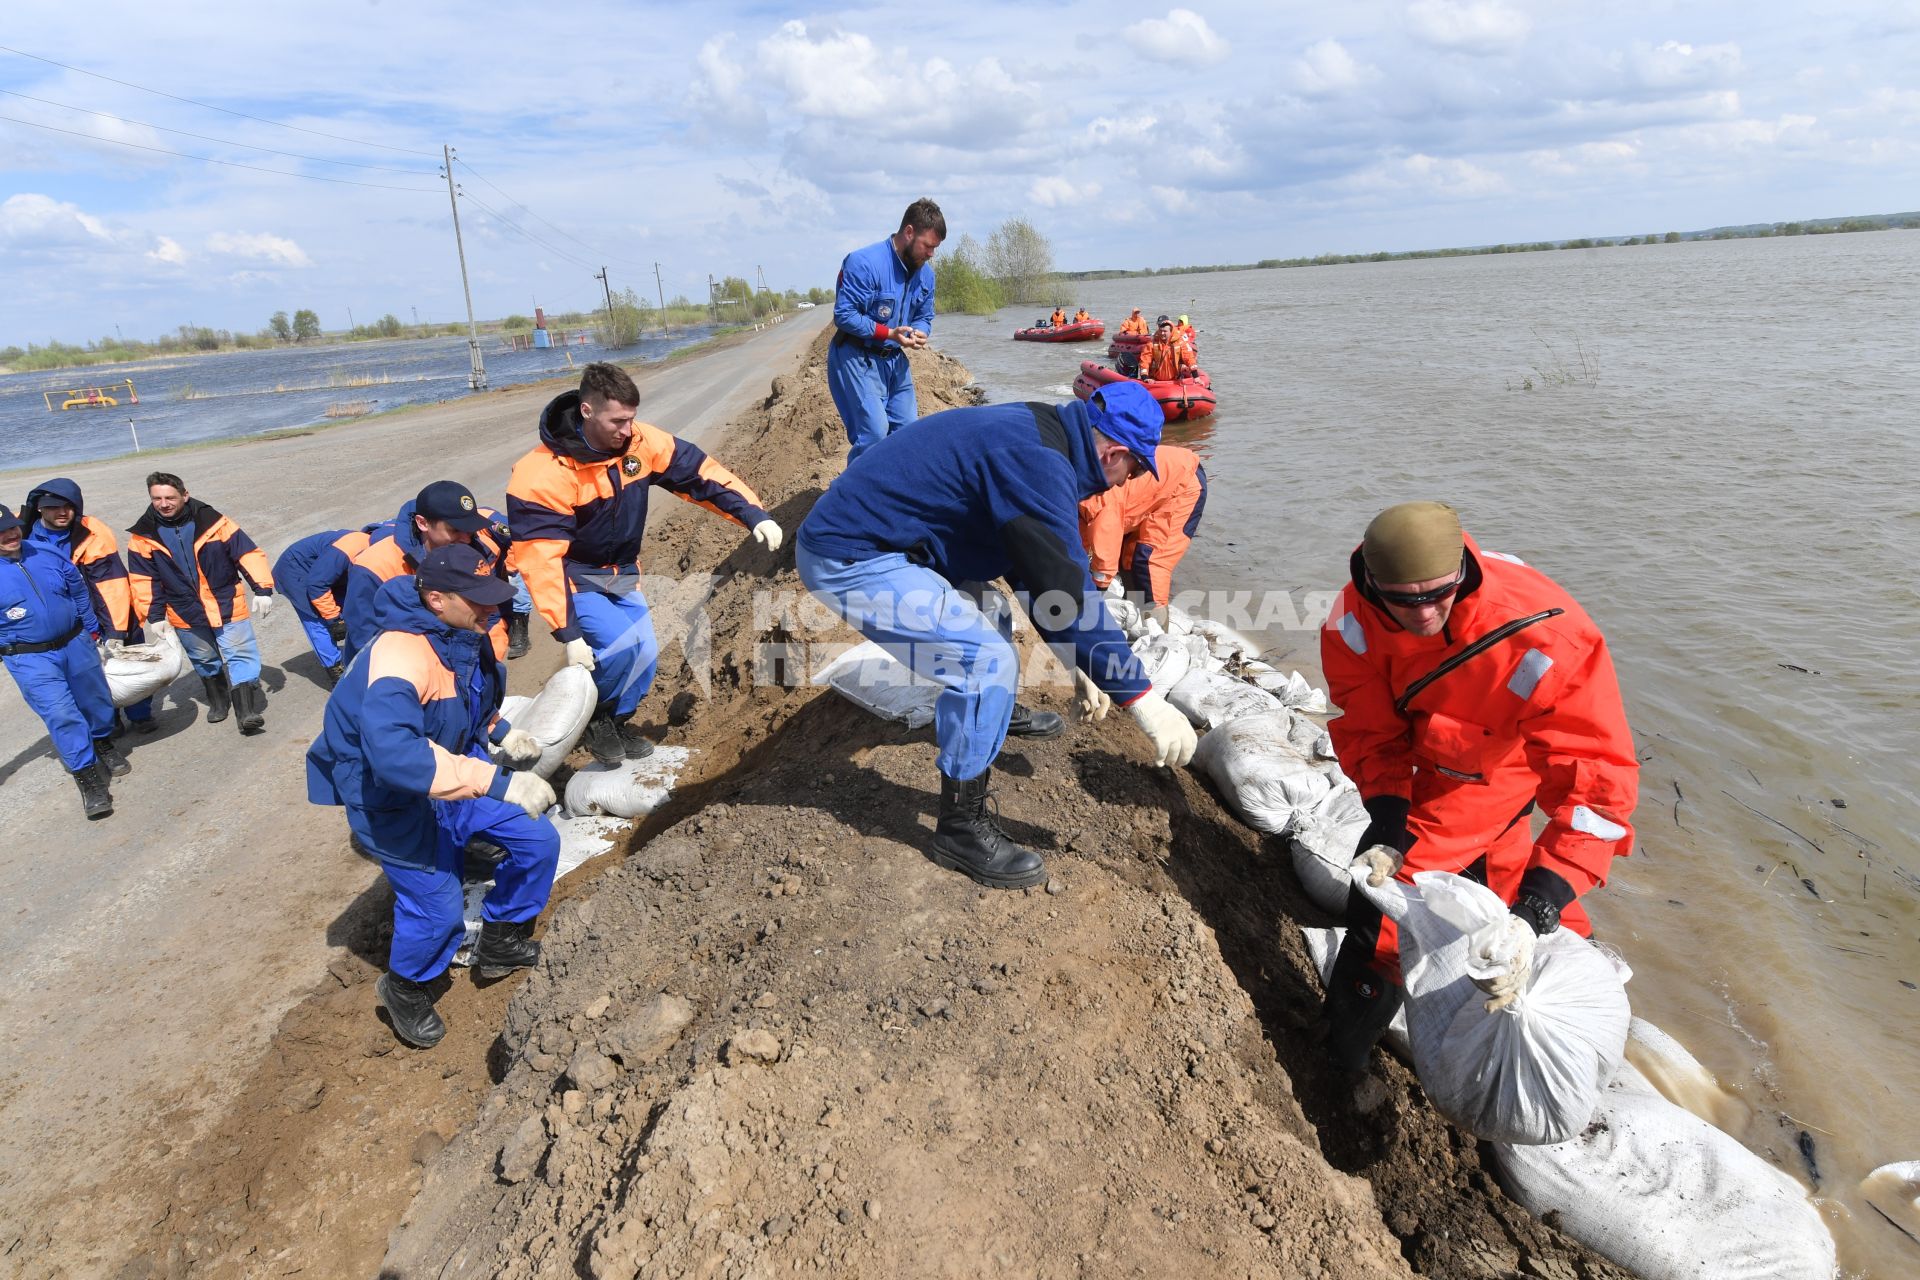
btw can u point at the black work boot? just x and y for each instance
(1028, 723)
(969, 840)
(250, 700)
(517, 642)
(335, 671)
(410, 1006)
(633, 743)
(1360, 1006)
(95, 799)
(219, 696)
(504, 947)
(110, 758)
(603, 737)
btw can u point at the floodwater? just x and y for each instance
(187, 399)
(1717, 457)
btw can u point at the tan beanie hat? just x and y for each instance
(1413, 542)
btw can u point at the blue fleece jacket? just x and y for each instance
(982, 493)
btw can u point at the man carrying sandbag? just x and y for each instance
(578, 507)
(1472, 690)
(902, 542)
(404, 748)
(47, 634)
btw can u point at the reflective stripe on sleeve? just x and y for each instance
(1526, 676)
(1352, 632)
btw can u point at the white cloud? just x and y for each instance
(1172, 199)
(1677, 65)
(1182, 38)
(722, 90)
(1127, 131)
(1052, 192)
(36, 221)
(1327, 68)
(1480, 26)
(836, 77)
(268, 248)
(167, 250)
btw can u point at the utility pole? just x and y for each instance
(416, 316)
(663, 297)
(477, 374)
(713, 300)
(608, 290)
(351, 326)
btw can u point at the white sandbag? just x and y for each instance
(1681, 1079)
(1323, 945)
(1212, 698)
(877, 682)
(1265, 778)
(1531, 1073)
(1225, 643)
(142, 670)
(1325, 841)
(1126, 616)
(556, 716)
(1894, 1189)
(631, 789)
(1668, 1196)
(1164, 659)
(1290, 687)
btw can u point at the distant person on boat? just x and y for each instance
(55, 518)
(1140, 530)
(883, 308)
(1135, 325)
(1058, 318)
(1081, 317)
(1473, 691)
(1184, 328)
(1167, 358)
(48, 630)
(201, 572)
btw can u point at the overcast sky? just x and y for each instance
(728, 137)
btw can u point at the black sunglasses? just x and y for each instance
(1414, 599)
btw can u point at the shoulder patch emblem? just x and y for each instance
(630, 465)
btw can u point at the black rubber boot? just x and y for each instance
(1028, 723)
(1360, 1006)
(410, 1006)
(967, 839)
(95, 799)
(250, 700)
(503, 948)
(219, 697)
(517, 642)
(335, 671)
(110, 758)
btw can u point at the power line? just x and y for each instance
(227, 142)
(502, 218)
(536, 217)
(231, 164)
(210, 107)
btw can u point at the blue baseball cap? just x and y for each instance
(8, 520)
(451, 501)
(457, 568)
(1126, 413)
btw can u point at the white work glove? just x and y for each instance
(1172, 737)
(262, 606)
(1500, 960)
(580, 654)
(531, 792)
(519, 748)
(110, 649)
(1378, 863)
(1090, 701)
(767, 533)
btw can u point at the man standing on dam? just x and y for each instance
(883, 308)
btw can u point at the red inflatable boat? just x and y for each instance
(1179, 400)
(1085, 331)
(1127, 344)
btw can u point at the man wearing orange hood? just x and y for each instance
(1473, 691)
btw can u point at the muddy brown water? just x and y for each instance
(1711, 445)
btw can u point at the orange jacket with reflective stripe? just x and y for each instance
(397, 555)
(1107, 519)
(1535, 718)
(210, 597)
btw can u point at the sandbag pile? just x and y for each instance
(877, 682)
(556, 716)
(630, 790)
(141, 670)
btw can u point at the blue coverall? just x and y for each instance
(869, 376)
(44, 601)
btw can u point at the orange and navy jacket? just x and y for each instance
(1166, 361)
(312, 573)
(1135, 324)
(1136, 511)
(407, 725)
(212, 597)
(1535, 719)
(394, 551)
(95, 552)
(578, 516)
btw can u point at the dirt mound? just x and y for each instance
(775, 1037)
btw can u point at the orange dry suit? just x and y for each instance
(1453, 755)
(1135, 324)
(1081, 316)
(1185, 333)
(1141, 529)
(1167, 361)
(1058, 318)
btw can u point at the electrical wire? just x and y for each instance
(227, 142)
(232, 164)
(536, 217)
(502, 218)
(210, 107)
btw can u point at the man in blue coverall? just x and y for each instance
(47, 634)
(882, 308)
(404, 748)
(901, 542)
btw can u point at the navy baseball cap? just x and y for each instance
(1126, 413)
(8, 520)
(451, 501)
(457, 568)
